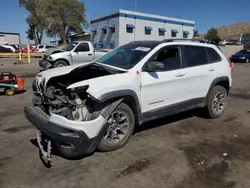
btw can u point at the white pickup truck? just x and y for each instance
(73, 53)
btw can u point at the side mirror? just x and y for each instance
(154, 66)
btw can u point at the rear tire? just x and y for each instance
(216, 102)
(112, 140)
(60, 63)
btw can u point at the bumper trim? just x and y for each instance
(69, 141)
(45, 65)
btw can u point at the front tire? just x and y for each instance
(9, 92)
(217, 102)
(121, 129)
(60, 63)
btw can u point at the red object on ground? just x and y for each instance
(20, 83)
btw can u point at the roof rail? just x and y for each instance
(179, 40)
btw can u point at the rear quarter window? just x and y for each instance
(194, 56)
(213, 55)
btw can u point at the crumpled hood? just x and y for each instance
(58, 71)
(51, 50)
(61, 54)
(114, 82)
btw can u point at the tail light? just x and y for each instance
(231, 64)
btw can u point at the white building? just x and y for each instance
(9, 38)
(124, 26)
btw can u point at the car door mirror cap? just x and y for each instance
(154, 66)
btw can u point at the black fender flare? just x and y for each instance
(123, 93)
(214, 83)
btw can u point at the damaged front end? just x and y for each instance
(71, 118)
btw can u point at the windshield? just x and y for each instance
(126, 56)
(70, 46)
(243, 52)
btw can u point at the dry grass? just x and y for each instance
(233, 31)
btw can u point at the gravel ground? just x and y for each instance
(181, 151)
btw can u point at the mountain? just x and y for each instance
(233, 31)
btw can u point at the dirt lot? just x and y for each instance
(181, 151)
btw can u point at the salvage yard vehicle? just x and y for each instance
(242, 56)
(98, 105)
(75, 52)
(43, 47)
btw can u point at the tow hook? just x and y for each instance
(45, 155)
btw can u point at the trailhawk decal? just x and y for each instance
(142, 49)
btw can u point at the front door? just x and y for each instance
(166, 88)
(82, 53)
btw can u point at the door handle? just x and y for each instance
(211, 69)
(180, 74)
(89, 54)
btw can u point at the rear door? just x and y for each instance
(200, 72)
(82, 53)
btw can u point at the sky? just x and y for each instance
(206, 14)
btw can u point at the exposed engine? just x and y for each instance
(72, 104)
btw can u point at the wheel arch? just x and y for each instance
(129, 97)
(221, 81)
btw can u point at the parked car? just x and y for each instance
(99, 104)
(43, 47)
(73, 53)
(5, 50)
(9, 47)
(25, 50)
(242, 56)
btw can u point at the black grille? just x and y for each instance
(45, 57)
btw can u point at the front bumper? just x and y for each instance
(44, 65)
(237, 60)
(72, 138)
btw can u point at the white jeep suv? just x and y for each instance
(97, 105)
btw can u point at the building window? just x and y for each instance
(162, 32)
(112, 28)
(185, 34)
(130, 28)
(174, 33)
(104, 30)
(148, 30)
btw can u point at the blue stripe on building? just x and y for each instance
(146, 18)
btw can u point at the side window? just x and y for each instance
(83, 47)
(47, 47)
(213, 55)
(170, 57)
(40, 46)
(194, 56)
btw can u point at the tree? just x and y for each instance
(212, 34)
(37, 18)
(65, 16)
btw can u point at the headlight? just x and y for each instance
(80, 89)
(49, 58)
(243, 57)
